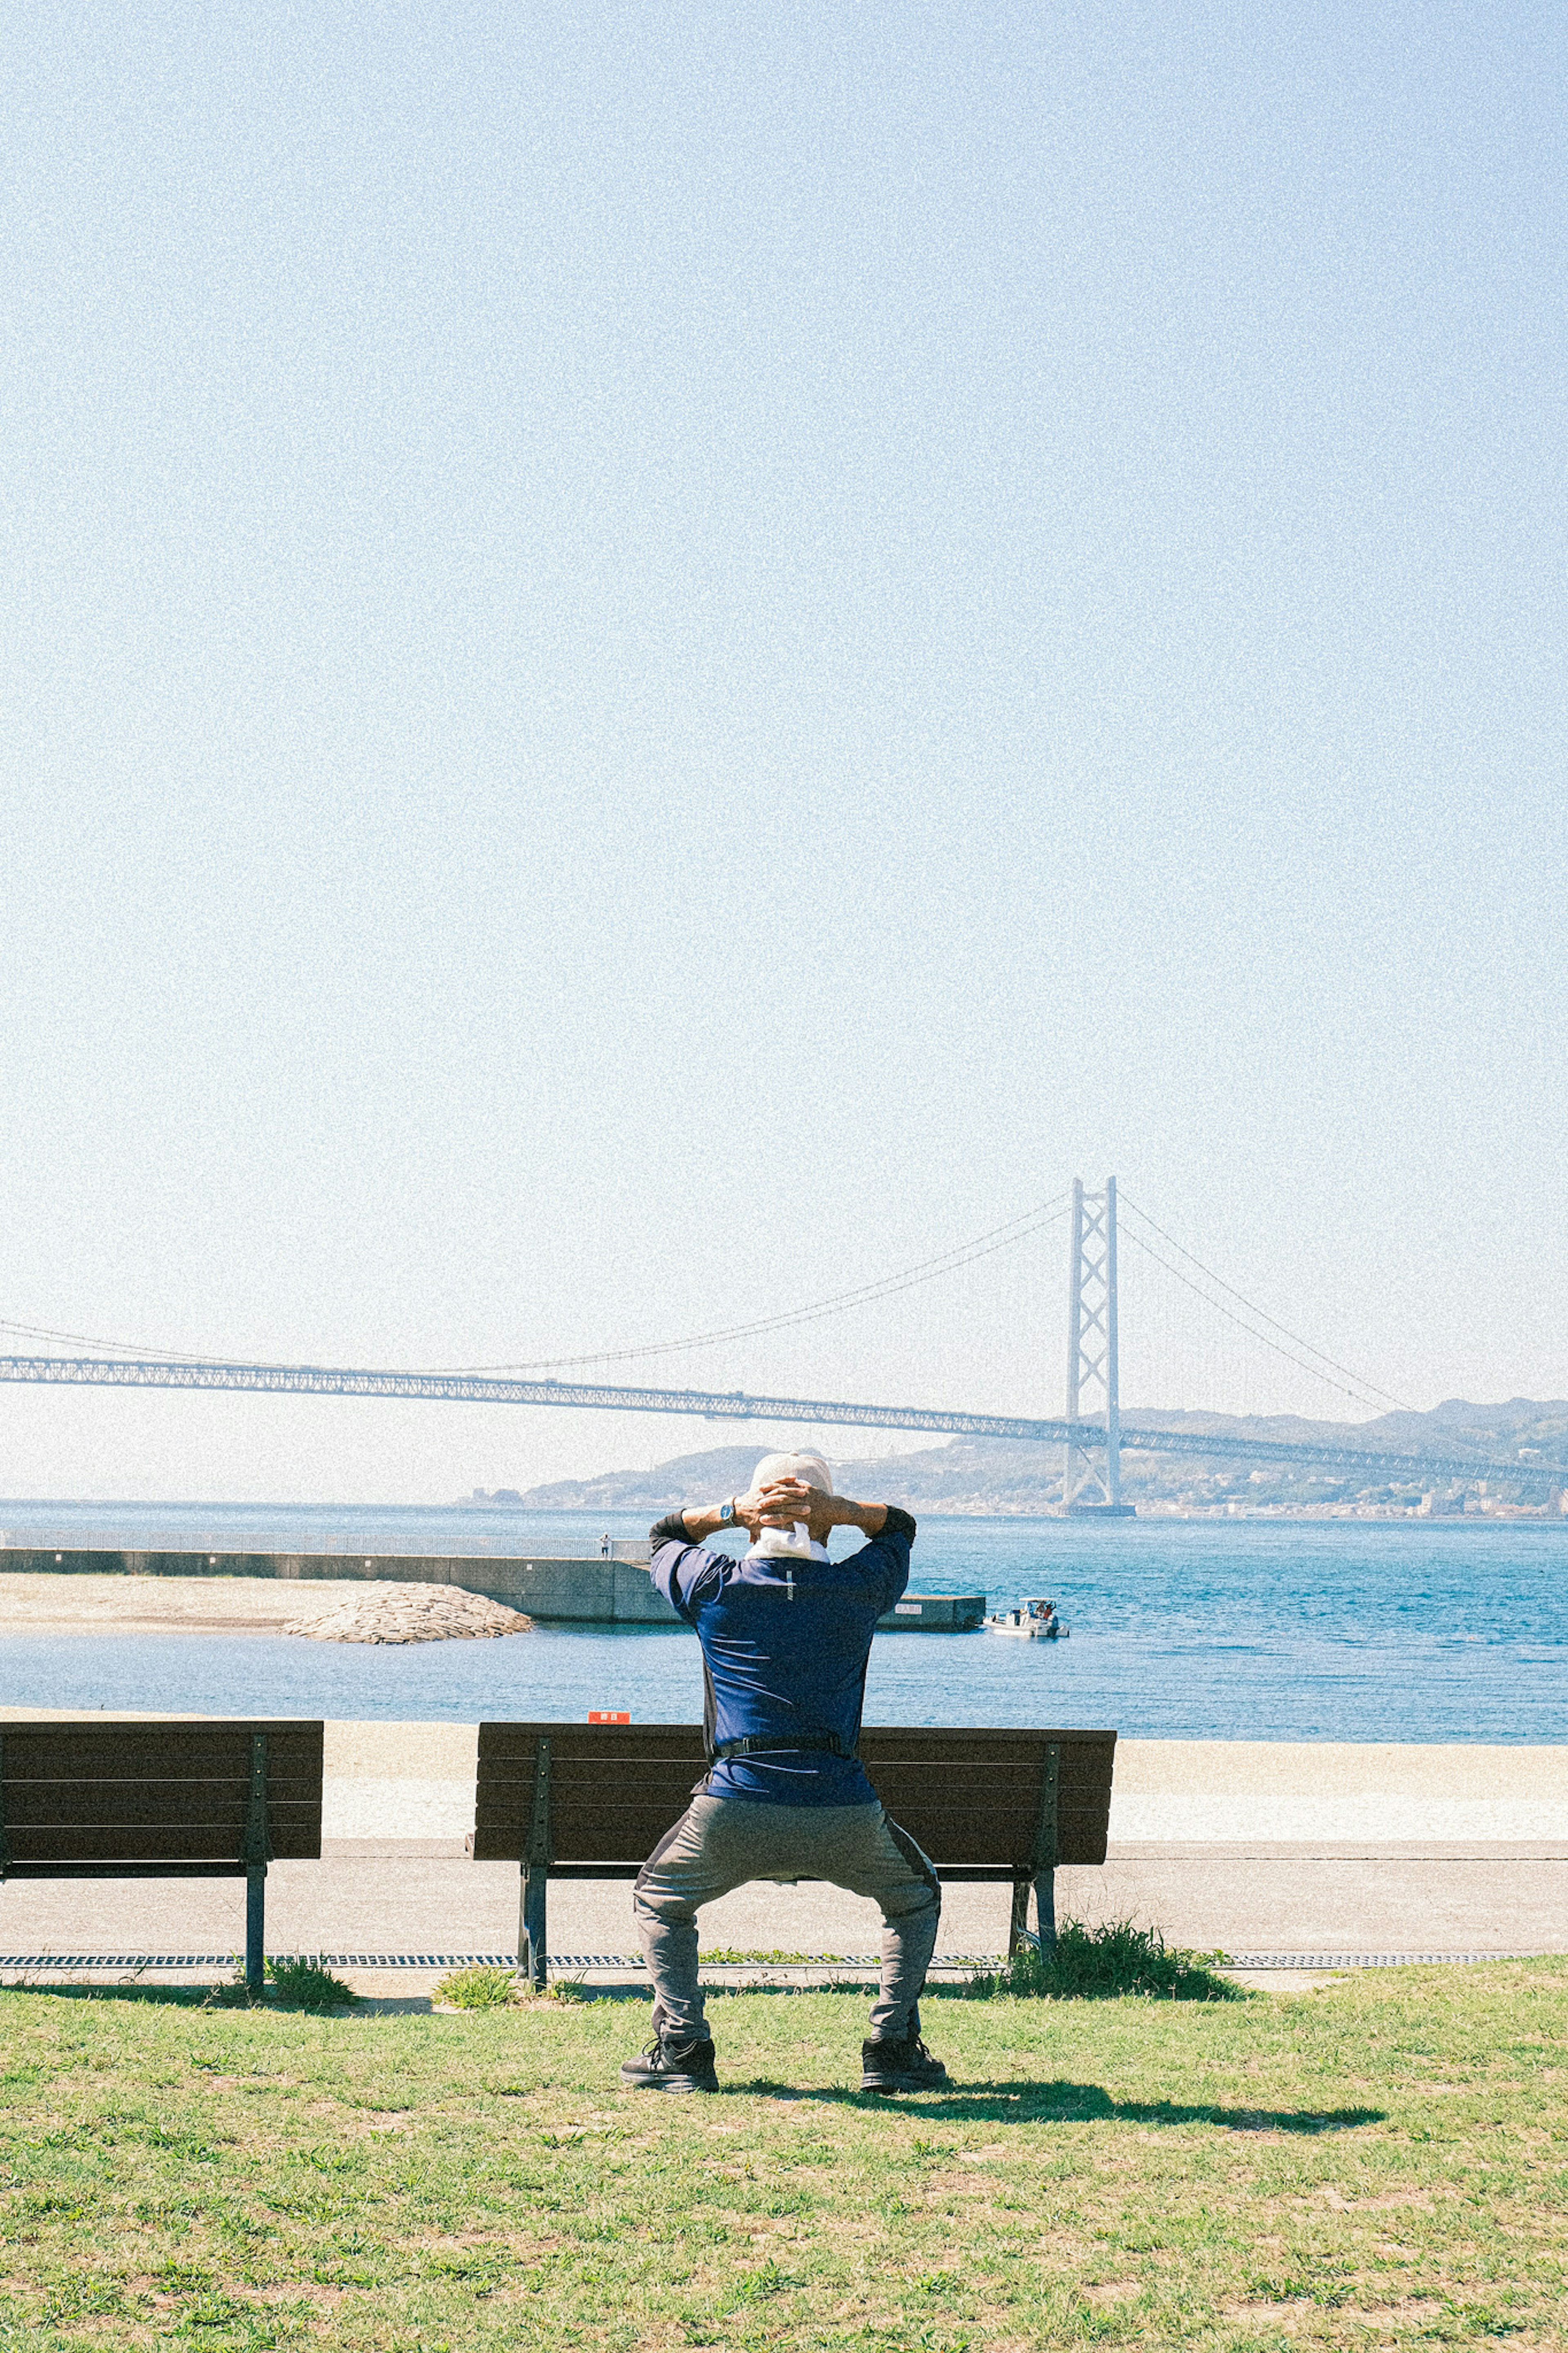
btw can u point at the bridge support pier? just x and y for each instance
(1092, 1459)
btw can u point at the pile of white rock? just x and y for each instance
(412, 1613)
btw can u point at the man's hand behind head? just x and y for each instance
(786, 1502)
(773, 1506)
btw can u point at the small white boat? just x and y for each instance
(1034, 1621)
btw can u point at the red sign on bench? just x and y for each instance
(608, 1715)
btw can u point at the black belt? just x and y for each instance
(791, 1742)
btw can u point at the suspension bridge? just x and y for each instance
(1092, 1432)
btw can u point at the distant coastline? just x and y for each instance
(1006, 1478)
(1506, 1517)
(1005, 1481)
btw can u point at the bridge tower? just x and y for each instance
(1091, 1466)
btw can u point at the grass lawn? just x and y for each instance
(1382, 2162)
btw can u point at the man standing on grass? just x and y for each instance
(786, 1636)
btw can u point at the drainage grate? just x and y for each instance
(231, 1960)
(453, 1961)
(1355, 1960)
(634, 1961)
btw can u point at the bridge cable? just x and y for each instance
(1017, 1229)
(122, 1347)
(1220, 1309)
(962, 1254)
(1253, 1309)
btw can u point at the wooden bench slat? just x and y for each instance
(1090, 1769)
(582, 1772)
(638, 1842)
(67, 1752)
(951, 1875)
(616, 1830)
(78, 1806)
(493, 1809)
(921, 1741)
(983, 1785)
(1092, 1762)
(499, 1739)
(175, 1842)
(178, 1787)
(164, 1727)
(167, 1731)
(223, 1867)
(979, 1785)
(213, 1773)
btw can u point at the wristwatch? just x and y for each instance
(727, 1513)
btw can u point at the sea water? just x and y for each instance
(1180, 1629)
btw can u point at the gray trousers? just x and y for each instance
(720, 1843)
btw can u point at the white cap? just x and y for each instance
(809, 1469)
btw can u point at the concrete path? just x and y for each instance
(402, 1901)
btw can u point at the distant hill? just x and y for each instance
(968, 1476)
(1457, 1425)
(1012, 1477)
(722, 1471)
(1478, 1428)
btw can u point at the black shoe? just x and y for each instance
(672, 2067)
(906, 2066)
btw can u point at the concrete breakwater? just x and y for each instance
(593, 1591)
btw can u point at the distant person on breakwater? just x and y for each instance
(785, 1635)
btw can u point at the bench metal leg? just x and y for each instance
(1046, 1910)
(1042, 1866)
(533, 1925)
(256, 1927)
(1043, 1935)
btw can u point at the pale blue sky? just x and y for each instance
(658, 658)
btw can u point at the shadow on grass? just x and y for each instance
(1067, 2102)
(226, 1997)
(175, 1997)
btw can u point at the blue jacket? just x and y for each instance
(784, 1649)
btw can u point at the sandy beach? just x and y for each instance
(37, 1603)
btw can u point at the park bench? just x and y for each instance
(592, 1802)
(185, 1799)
